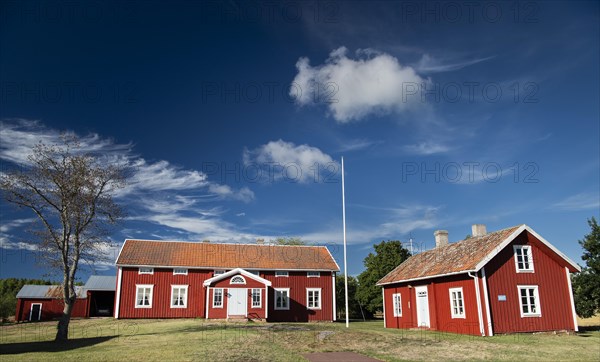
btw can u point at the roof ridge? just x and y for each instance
(222, 243)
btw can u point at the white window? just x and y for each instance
(255, 272)
(143, 297)
(313, 274)
(281, 274)
(180, 271)
(238, 279)
(256, 298)
(218, 272)
(282, 298)
(179, 296)
(313, 298)
(529, 299)
(523, 258)
(146, 271)
(218, 298)
(457, 304)
(397, 299)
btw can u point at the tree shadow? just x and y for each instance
(51, 346)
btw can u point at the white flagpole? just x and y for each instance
(345, 257)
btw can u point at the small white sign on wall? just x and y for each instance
(502, 298)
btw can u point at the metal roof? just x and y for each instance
(101, 282)
(47, 292)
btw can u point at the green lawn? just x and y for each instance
(198, 340)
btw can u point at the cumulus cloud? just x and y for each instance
(289, 161)
(372, 83)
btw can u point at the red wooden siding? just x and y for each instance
(162, 279)
(297, 282)
(550, 277)
(440, 316)
(51, 308)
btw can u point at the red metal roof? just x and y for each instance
(462, 256)
(225, 256)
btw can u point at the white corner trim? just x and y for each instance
(266, 302)
(334, 296)
(118, 301)
(383, 296)
(572, 300)
(478, 296)
(487, 303)
(207, 300)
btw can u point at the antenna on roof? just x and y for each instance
(410, 243)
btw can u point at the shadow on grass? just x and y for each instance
(585, 331)
(50, 346)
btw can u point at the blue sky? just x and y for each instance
(235, 116)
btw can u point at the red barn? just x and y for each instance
(44, 302)
(508, 281)
(172, 279)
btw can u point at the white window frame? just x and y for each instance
(137, 295)
(537, 304)
(214, 298)
(397, 303)
(316, 301)
(313, 274)
(147, 271)
(173, 287)
(526, 252)
(254, 290)
(287, 290)
(218, 272)
(282, 274)
(457, 314)
(237, 283)
(180, 271)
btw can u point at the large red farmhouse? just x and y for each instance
(172, 279)
(507, 281)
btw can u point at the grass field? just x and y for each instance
(199, 340)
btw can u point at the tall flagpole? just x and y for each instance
(345, 256)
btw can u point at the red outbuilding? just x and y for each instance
(511, 280)
(44, 302)
(173, 279)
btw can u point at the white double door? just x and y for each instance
(237, 301)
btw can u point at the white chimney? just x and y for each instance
(441, 238)
(478, 230)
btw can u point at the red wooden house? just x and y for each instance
(508, 281)
(171, 279)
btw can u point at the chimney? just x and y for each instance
(478, 230)
(441, 238)
(206, 241)
(260, 241)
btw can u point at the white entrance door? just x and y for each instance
(422, 306)
(237, 302)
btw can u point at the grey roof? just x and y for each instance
(101, 282)
(47, 292)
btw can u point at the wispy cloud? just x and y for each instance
(372, 83)
(580, 201)
(426, 148)
(357, 145)
(428, 64)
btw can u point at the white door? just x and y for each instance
(237, 301)
(422, 306)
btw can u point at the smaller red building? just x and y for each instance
(44, 302)
(511, 280)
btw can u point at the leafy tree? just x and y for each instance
(289, 241)
(340, 298)
(70, 192)
(586, 285)
(388, 255)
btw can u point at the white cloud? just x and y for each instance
(286, 160)
(581, 201)
(428, 64)
(373, 83)
(426, 148)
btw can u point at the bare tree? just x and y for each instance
(70, 191)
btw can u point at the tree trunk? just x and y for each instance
(62, 332)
